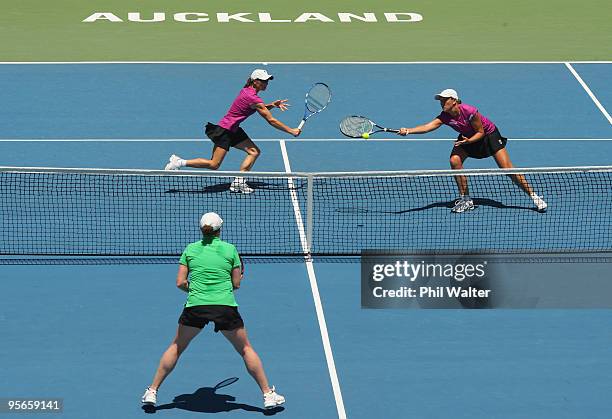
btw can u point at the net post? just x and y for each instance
(309, 210)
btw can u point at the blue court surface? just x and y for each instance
(93, 334)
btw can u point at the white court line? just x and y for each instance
(589, 92)
(329, 356)
(265, 140)
(295, 62)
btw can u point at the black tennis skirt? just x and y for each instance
(225, 138)
(485, 147)
(224, 317)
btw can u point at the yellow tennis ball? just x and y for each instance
(365, 135)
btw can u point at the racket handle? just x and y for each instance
(301, 124)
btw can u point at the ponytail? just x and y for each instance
(249, 82)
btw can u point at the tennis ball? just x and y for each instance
(365, 135)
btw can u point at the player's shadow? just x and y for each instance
(484, 202)
(218, 188)
(207, 400)
(256, 185)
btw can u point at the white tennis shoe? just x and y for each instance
(173, 163)
(463, 205)
(149, 397)
(239, 185)
(540, 204)
(273, 399)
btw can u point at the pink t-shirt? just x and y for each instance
(462, 124)
(240, 109)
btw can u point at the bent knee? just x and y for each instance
(179, 347)
(253, 151)
(214, 165)
(455, 161)
(245, 350)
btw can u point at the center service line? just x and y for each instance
(329, 356)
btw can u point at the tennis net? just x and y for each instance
(135, 213)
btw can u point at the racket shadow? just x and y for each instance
(207, 400)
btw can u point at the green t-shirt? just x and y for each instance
(210, 262)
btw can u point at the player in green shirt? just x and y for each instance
(210, 271)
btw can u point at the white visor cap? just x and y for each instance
(446, 93)
(261, 75)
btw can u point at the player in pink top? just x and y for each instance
(478, 138)
(228, 133)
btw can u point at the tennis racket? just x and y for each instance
(361, 127)
(317, 99)
(241, 265)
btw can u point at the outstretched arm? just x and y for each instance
(421, 129)
(267, 115)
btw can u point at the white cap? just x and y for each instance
(447, 93)
(211, 219)
(261, 75)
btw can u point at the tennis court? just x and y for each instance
(93, 333)
(124, 90)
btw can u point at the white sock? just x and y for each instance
(182, 162)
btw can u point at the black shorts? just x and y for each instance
(224, 317)
(225, 138)
(486, 146)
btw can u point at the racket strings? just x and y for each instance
(355, 126)
(318, 98)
